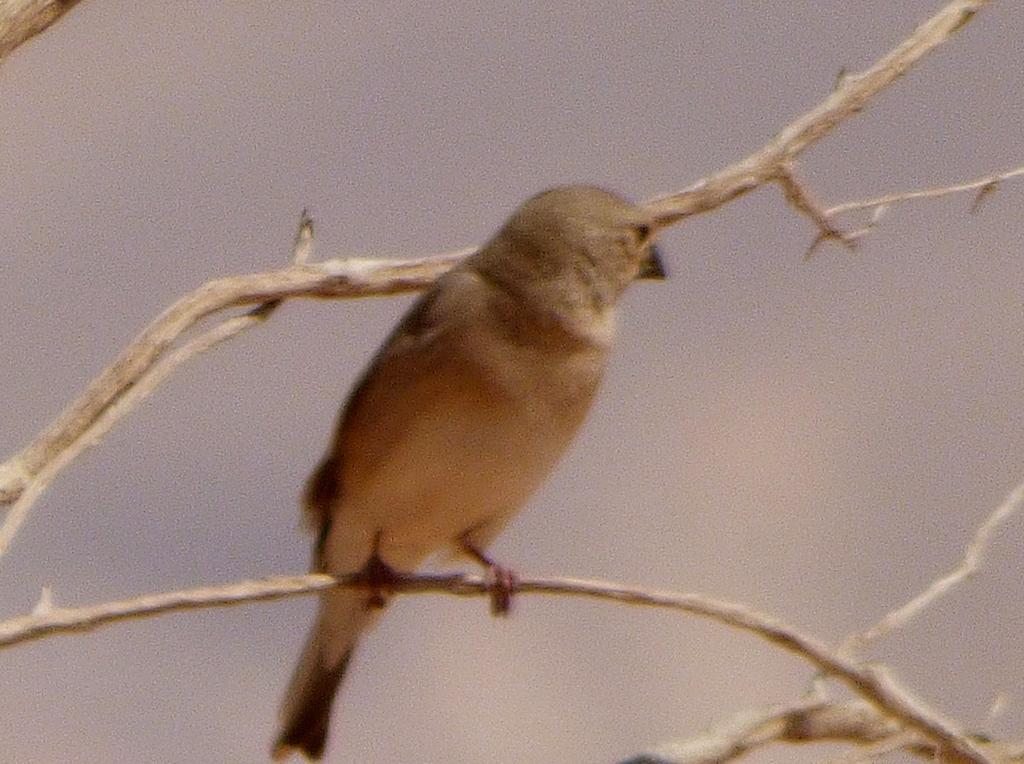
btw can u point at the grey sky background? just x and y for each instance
(818, 439)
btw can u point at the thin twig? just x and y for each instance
(814, 719)
(798, 196)
(940, 587)
(902, 741)
(870, 683)
(148, 380)
(984, 187)
(331, 278)
(152, 357)
(100, 426)
(850, 96)
(738, 735)
(351, 278)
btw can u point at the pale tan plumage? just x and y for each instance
(463, 412)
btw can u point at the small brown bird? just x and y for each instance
(462, 414)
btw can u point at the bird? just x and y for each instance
(463, 412)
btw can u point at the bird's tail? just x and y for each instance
(306, 711)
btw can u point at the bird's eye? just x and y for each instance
(643, 231)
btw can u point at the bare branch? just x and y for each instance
(817, 718)
(903, 741)
(800, 199)
(871, 683)
(851, 95)
(940, 587)
(891, 718)
(813, 719)
(331, 278)
(46, 620)
(810, 720)
(984, 187)
(120, 407)
(351, 278)
(55, 456)
(798, 196)
(302, 248)
(20, 20)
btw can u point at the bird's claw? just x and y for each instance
(379, 578)
(502, 583)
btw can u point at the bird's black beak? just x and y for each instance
(653, 268)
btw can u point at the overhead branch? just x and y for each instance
(40, 461)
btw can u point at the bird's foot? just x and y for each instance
(379, 578)
(503, 583)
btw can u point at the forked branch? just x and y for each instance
(24, 476)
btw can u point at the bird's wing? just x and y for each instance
(394, 389)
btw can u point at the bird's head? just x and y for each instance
(589, 233)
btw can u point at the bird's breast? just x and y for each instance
(486, 428)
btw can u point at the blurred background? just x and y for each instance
(817, 439)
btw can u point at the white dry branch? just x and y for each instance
(817, 719)
(774, 161)
(943, 585)
(984, 187)
(330, 278)
(910, 725)
(101, 411)
(24, 476)
(164, 345)
(814, 719)
(20, 20)
(870, 682)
